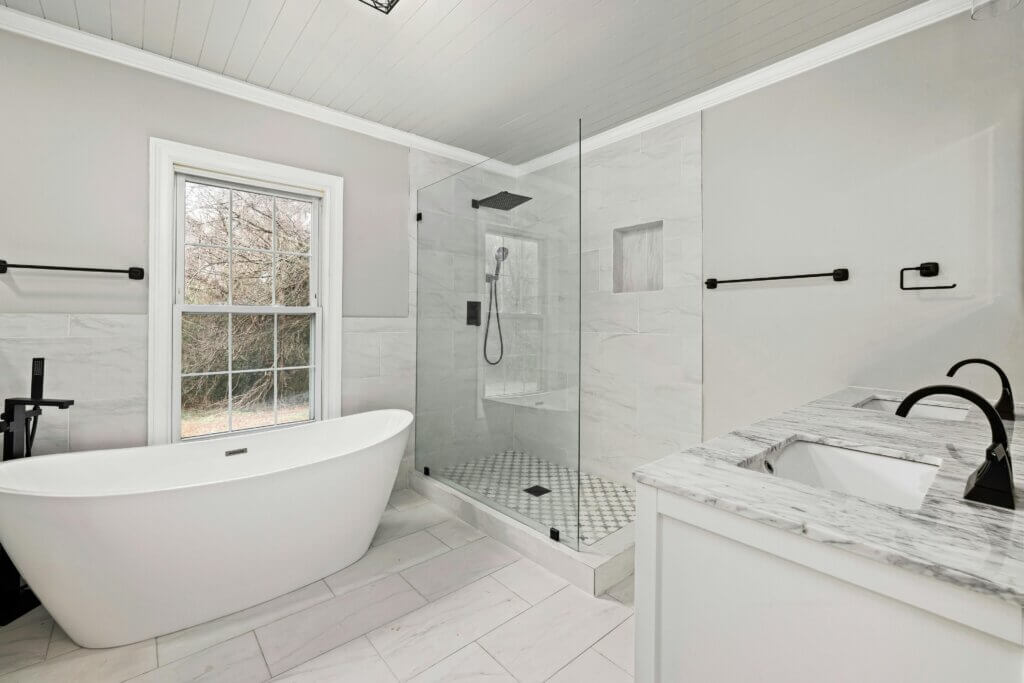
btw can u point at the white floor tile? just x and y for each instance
(300, 637)
(91, 666)
(239, 660)
(539, 642)
(397, 523)
(455, 533)
(191, 640)
(460, 567)
(530, 581)
(25, 640)
(470, 663)
(412, 644)
(590, 667)
(617, 646)
(354, 662)
(405, 498)
(389, 558)
(60, 643)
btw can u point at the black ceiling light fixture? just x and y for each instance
(384, 6)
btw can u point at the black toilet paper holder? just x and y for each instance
(926, 269)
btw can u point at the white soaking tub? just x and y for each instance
(123, 545)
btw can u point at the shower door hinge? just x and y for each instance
(554, 534)
(419, 216)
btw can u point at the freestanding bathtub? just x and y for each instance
(123, 545)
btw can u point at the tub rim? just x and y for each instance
(68, 497)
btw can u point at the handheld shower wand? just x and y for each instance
(492, 303)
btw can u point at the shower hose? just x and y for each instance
(492, 302)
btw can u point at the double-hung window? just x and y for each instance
(247, 309)
(245, 293)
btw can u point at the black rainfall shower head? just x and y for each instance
(503, 201)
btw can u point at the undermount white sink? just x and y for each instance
(935, 411)
(881, 478)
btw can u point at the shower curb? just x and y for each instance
(590, 571)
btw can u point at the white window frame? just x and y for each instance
(168, 160)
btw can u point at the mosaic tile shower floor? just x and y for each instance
(604, 508)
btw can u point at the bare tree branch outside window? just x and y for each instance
(242, 370)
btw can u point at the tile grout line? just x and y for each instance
(563, 588)
(602, 656)
(349, 641)
(49, 638)
(263, 654)
(255, 628)
(381, 656)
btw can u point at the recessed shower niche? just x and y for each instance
(638, 258)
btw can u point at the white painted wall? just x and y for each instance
(911, 151)
(74, 181)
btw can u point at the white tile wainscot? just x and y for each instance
(98, 360)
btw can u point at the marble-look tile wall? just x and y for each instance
(97, 360)
(641, 351)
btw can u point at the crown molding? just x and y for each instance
(897, 25)
(57, 34)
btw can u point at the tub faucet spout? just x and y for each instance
(20, 418)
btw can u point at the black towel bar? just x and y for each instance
(839, 275)
(133, 273)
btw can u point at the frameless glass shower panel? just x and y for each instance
(498, 290)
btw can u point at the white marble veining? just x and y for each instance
(967, 544)
(412, 644)
(25, 640)
(302, 636)
(539, 642)
(449, 572)
(471, 663)
(175, 646)
(591, 666)
(530, 581)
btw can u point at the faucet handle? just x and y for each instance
(992, 482)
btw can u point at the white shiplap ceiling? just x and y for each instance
(503, 78)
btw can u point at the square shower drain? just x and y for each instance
(537, 490)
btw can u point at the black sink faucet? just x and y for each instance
(992, 482)
(1004, 406)
(20, 418)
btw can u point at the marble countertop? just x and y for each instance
(975, 546)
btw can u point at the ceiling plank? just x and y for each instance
(411, 62)
(378, 30)
(448, 58)
(287, 31)
(126, 21)
(325, 23)
(33, 7)
(225, 22)
(190, 31)
(161, 18)
(259, 20)
(61, 11)
(94, 17)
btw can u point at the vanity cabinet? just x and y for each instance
(724, 597)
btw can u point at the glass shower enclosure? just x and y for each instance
(498, 342)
